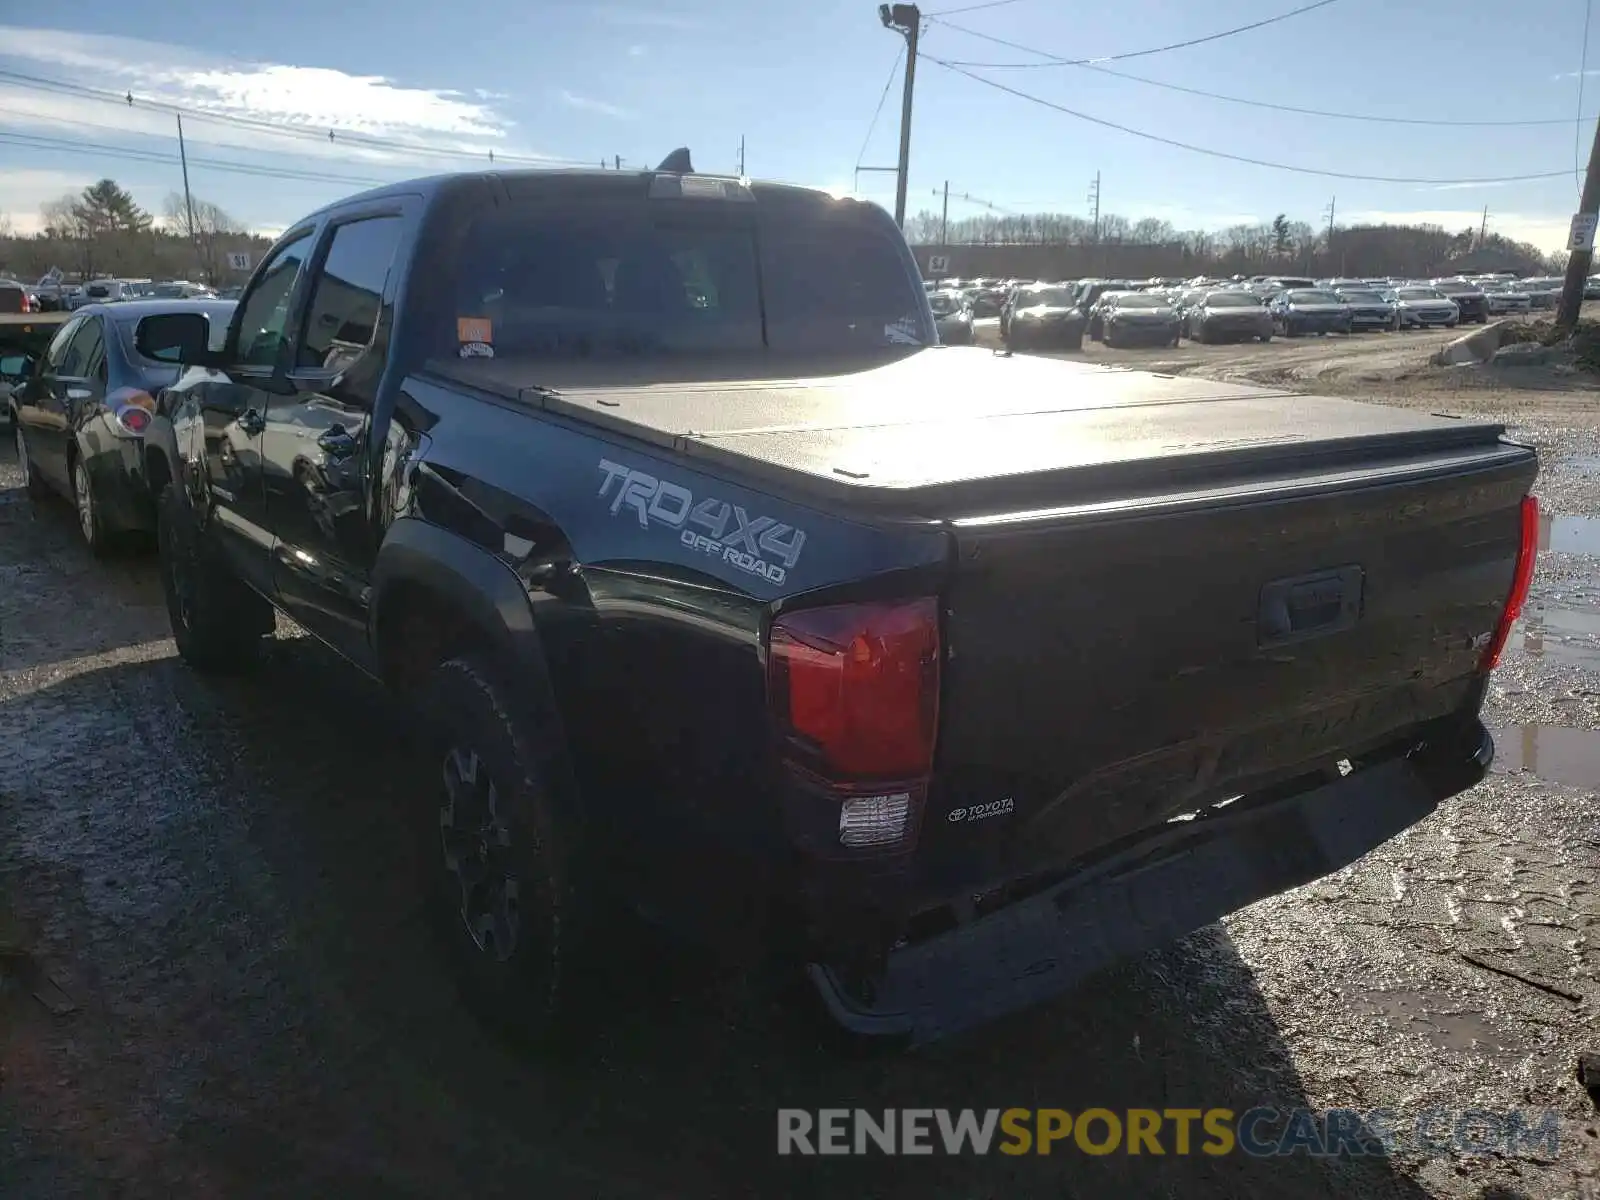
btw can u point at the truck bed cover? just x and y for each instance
(942, 418)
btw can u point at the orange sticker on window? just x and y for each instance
(475, 329)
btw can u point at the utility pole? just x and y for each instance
(741, 156)
(905, 19)
(1331, 202)
(1483, 229)
(617, 162)
(1581, 256)
(188, 200)
(944, 218)
(1094, 199)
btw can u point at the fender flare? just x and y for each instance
(162, 462)
(493, 599)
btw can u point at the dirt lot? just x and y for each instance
(215, 979)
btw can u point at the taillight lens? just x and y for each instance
(131, 408)
(134, 420)
(856, 687)
(854, 692)
(1521, 581)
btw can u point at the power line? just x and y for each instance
(966, 8)
(878, 112)
(1239, 158)
(1288, 108)
(334, 136)
(66, 146)
(1183, 45)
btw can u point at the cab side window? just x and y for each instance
(264, 320)
(347, 295)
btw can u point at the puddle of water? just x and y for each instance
(1556, 754)
(1569, 535)
(1420, 1013)
(1568, 635)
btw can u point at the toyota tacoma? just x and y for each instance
(943, 677)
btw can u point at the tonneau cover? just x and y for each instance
(950, 415)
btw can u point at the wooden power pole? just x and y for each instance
(1580, 244)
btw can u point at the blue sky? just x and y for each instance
(578, 82)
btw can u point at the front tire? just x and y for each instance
(217, 620)
(506, 886)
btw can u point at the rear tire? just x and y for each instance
(217, 620)
(507, 890)
(87, 506)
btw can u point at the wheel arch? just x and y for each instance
(435, 596)
(161, 460)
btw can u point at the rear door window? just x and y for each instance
(347, 294)
(83, 353)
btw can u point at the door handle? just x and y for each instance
(336, 442)
(251, 423)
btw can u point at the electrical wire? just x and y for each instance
(878, 112)
(966, 8)
(67, 146)
(1583, 70)
(1290, 108)
(336, 137)
(1223, 154)
(1105, 58)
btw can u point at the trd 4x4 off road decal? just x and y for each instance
(756, 545)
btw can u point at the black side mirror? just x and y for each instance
(181, 338)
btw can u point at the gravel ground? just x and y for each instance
(215, 979)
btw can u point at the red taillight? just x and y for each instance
(134, 420)
(856, 687)
(1521, 581)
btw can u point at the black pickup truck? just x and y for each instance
(942, 675)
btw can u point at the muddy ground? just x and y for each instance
(217, 980)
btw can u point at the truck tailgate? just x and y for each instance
(1115, 663)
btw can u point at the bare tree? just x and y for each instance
(214, 230)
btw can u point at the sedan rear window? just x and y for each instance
(1231, 300)
(1313, 298)
(1140, 300)
(1355, 297)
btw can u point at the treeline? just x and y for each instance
(102, 231)
(1280, 244)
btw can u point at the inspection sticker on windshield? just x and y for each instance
(475, 329)
(757, 545)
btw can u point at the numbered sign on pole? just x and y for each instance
(1582, 235)
(239, 262)
(938, 264)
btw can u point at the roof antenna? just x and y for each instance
(677, 163)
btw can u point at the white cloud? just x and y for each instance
(646, 19)
(283, 104)
(636, 51)
(1547, 233)
(585, 104)
(22, 192)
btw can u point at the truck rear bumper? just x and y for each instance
(1185, 876)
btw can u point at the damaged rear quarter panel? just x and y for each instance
(652, 583)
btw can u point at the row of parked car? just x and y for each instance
(55, 295)
(1059, 315)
